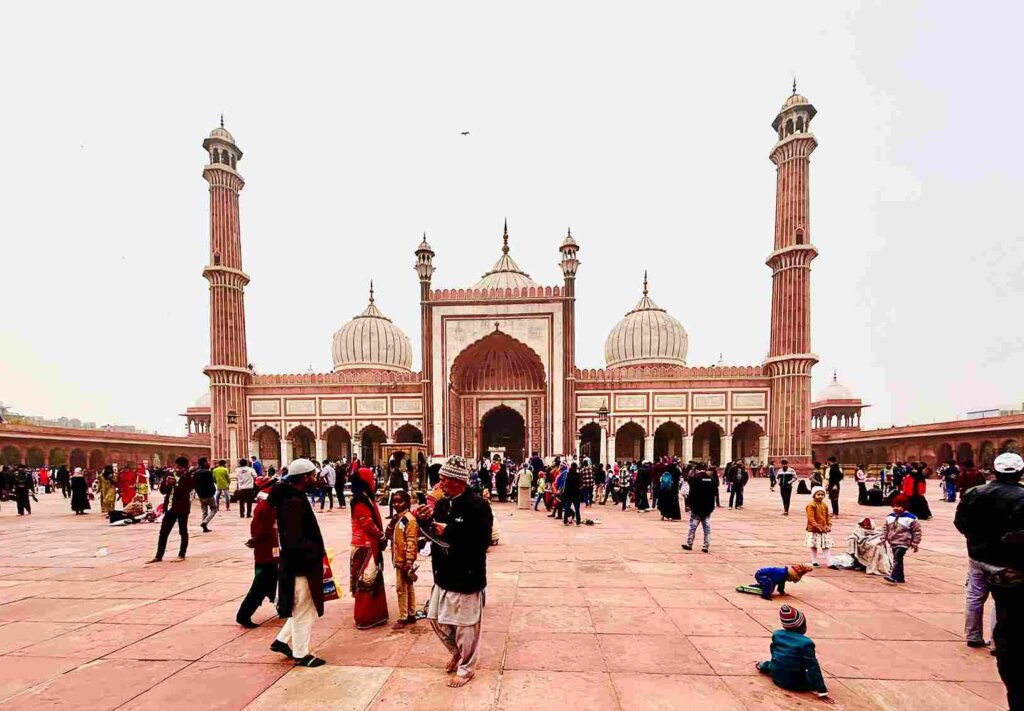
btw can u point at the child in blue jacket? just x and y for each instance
(794, 665)
(768, 579)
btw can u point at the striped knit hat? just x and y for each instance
(791, 618)
(455, 468)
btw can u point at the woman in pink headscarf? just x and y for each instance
(368, 543)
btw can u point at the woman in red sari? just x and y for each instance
(368, 543)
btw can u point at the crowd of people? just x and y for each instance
(443, 511)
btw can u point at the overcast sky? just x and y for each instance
(643, 126)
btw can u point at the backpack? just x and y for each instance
(666, 481)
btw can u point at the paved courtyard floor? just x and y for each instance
(613, 616)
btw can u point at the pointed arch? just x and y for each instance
(498, 362)
(339, 442)
(707, 442)
(630, 439)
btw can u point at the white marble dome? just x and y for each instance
(835, 391)
(505, 274)
(371, 342)
(648, 335)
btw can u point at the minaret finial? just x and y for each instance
(504, 239)
(645, 282)
(833, 375)
(568, 231)
(371, 291)
(794, 83)
(222, 120)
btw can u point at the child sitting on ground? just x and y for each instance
(793, 665)
(768, 579)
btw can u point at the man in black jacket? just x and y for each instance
(702, 504)
(462, 522)
(835, 479)
(300, 597)
(785, 477)
(206, 492)
(991, 517)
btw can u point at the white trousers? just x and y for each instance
(298, 628)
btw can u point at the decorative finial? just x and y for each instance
(568, 231)
(371, 291)
(645, 282)
(504, 239)
(497, 326)
(794, 83)
(833, 375)
(222, 120)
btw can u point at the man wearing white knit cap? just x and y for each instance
(461, 523)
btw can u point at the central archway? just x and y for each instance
(503, 430)
(497, 398)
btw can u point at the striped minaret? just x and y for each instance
(228, 370)
(789, 357)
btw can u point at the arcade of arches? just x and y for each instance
(971, 452)
(45, 446)
(497, 397)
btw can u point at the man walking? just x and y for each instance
(222, 478)
(702, 505)
(462, 521)
(301, 591)
(328, 478)
(739, 481)
(835, 478)
(991, 517)
(786, 478)
(177, 488)
(206, 491)
(245, 480)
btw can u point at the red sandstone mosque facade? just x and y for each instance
(498, 369)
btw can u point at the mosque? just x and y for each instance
(499, 373)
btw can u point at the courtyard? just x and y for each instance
(610, 616)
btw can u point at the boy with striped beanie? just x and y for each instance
(794, 665)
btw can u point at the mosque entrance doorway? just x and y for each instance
(497, 399)
(503, 431)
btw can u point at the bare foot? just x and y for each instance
(453, 664)
(458, 681)
(150, 562)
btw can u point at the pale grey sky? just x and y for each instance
(644, 126)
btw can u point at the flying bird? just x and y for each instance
(465, 133)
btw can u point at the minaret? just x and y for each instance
(790, 359)
(570, 263)
(229, 363)
(425, 271)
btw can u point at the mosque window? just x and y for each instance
(800, 236)
(799, 124)
(789, 127)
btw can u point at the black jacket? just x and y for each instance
(991, 517)
(302, 547)
(835, 475)
(702, 494)
(206, 487)
(462, 567)
(573, 481)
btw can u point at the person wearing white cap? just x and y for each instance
(991, 517)
(300, 597)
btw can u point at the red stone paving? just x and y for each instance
(614, 616)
